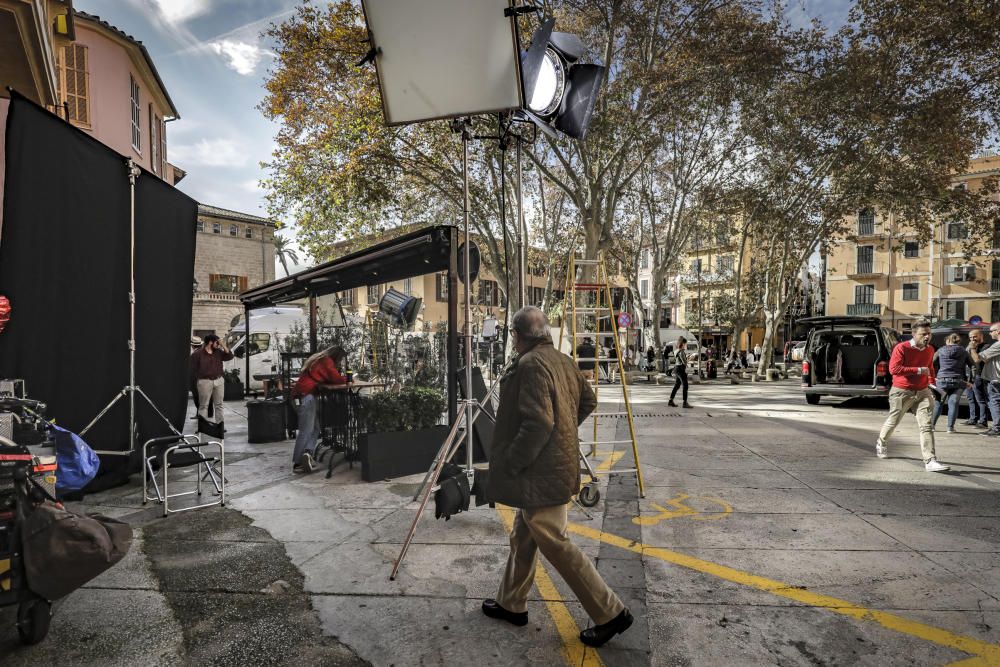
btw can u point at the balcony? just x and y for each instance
(866, 229)
(994, 285)
(864, 309)
(865, 269)
(707, 278)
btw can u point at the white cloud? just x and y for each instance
(240, 56)
(179, 11)
(252, 186)
(209, 153)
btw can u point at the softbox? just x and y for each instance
(64, 264)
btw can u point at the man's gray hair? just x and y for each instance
(530, 323)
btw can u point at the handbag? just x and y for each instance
(64, 550)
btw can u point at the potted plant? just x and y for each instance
(403, 432)
(233, 387)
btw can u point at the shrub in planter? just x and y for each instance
(402, 436)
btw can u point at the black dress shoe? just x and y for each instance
(494, 610)
(600, 634)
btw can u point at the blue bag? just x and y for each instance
(77, 462)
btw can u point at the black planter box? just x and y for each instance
(399, 453)
(232, 390)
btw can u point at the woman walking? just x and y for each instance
(320, 371)
(680, 373)
(951, 363)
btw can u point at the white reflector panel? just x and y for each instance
(444, 58)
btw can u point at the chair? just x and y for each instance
(181, 451)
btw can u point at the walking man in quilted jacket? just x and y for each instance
(535, 467)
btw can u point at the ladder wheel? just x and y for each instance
(589, 495)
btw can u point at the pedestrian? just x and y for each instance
(976, 394)
(196, 343)
(951, 366)
(320, 371)
(668, 351)
(680, 373)
(651, 358)
(912, 374)
(587, 353)
(207, 368)
(990, 358)
(535, 467)
(751, 358)
(756, 352)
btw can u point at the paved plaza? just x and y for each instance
(770, 534)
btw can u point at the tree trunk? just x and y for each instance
(767, 345)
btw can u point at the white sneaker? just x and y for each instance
(880, 450)
(307, 462)
(934, 466)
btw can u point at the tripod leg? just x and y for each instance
(157, 410)
(428, 488)
(438, 461)
(103, 412)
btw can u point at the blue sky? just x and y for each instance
(213, 61)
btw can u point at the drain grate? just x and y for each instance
(645, 415)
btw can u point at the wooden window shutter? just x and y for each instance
(242, 282)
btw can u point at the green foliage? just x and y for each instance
(405, 410)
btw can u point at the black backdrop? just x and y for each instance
(64, 264)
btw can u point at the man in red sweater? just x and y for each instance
(911, 365)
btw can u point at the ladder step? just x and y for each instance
(607, 359)
(587, 334)
(623, 471)
(607, 414)
(605, 442)
(586, 262)
(588, 310)
(588, 286)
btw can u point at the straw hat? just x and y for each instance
(195, 341)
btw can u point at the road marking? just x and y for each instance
(983, 653)
(609, 462)
(574, 652)
(682, 510)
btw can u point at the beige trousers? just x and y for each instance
(544, 529)
(902, 401)
(211, 390)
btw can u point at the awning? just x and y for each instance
(413, 254)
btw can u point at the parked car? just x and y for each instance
(847, 356)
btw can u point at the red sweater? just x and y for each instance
(323, 371)
(905, 361)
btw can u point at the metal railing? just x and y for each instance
(995, 284)
(864, 309)
(865, 268)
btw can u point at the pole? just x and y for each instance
(313, 334)
(468, 300)
(133, 172)
(246, 347)
(522, 235)
(452, 283)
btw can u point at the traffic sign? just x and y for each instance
(975, 320)
(624, 320)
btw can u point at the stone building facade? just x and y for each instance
(235, 251)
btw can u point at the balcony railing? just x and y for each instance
(707, 278)
(865, 269)
(995, 284)
(217, 296)
(864, 309)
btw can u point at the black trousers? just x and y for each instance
(680, 373)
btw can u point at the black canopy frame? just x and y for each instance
(428, 250)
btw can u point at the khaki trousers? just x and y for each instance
(544, 529)
(211, 390)
(902, 401)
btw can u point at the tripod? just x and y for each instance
(131, 389)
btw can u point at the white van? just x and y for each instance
(269, 327)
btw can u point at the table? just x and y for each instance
(342, 420)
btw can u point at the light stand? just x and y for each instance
(131, 389)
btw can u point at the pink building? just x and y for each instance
(90, 73)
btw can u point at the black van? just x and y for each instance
(846, 356)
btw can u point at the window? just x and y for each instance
(911, 291)
(691, 305)
(136, 121)
(374, 292)
(962, 273)
(864, 294)
(994, 311)
(408, 286)
(488, 293)
(218, 282)
(696, 266)
(347, 298)
(259, 342)
(163, 145)
(234, 230)
(644, 260)
(725, 264)
(216, 227)
(249, 232)
(911, 249)
(74, 83)
(866, 259)
(201, 226)
(154, 141)
(866, 222)
(957, 231)
(644, 289)
(954, 310)
(441, 290)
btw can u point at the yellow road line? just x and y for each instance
(985, 653)
(609, 462)
(574, 652)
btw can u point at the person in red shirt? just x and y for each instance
(911, 365)
(320, 371)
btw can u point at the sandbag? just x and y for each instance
(452, 496)
(64, 550)
(78, 464)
